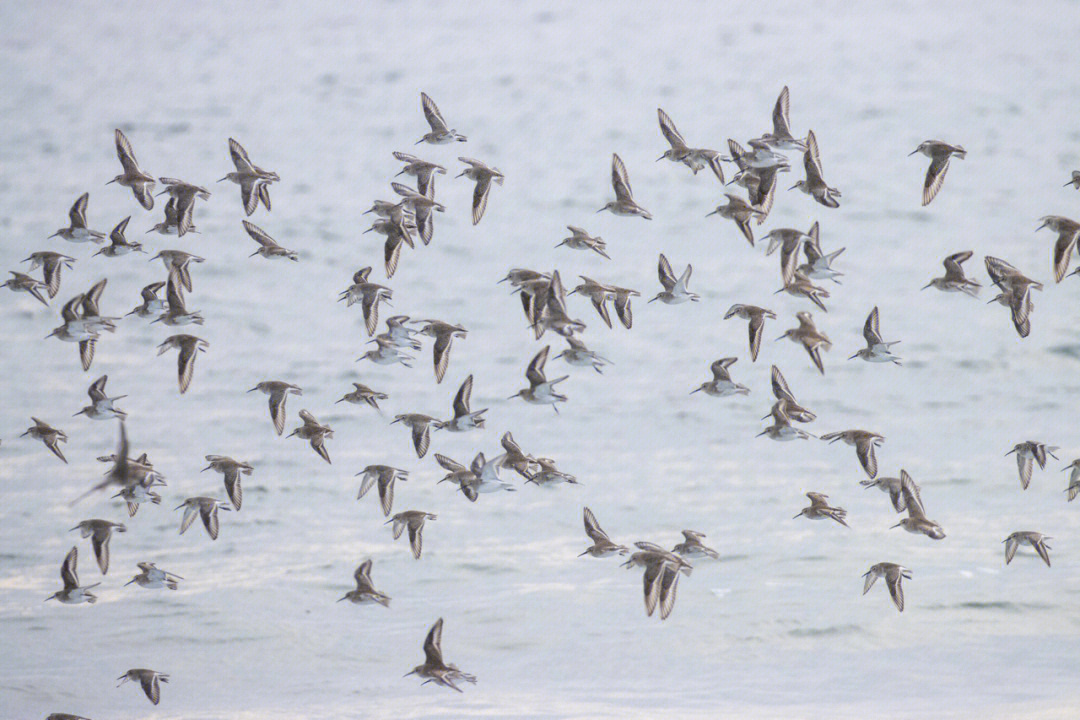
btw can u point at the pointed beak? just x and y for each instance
(927, 285)
(913, 152)
(895, 526)
(713, 212)
(114, 180)
(853, 356)
(601, 210)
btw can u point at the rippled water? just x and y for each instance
(547, 92)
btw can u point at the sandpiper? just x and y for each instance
(100, 532)
(624, 203)
(1015, 292)
(675, 290)
(444, 334)
(133, 177)
(152, 578)
(741, 212)
(1074, 180)
(622, 304)
(385, 476)
(73, 593)
(581, 240)
(1068, 231)
(954, 279)
(278, 391)
(514, 458)
(894, 487)
(602, 545)
(1074, 479)
(421, 205)
(413, 520)
(176, 312)
(810, 338)
(580, 356)
(756, 315)
(722, 385)
(939, 153)
(815, 185)
(800, 286)
(386, 354)
(171, 224)
(661, 577)
(137, 493)
(760, 184)
(185, 195)
(90, 317)
(782, 429)
(369, 295)
(365, 591)
(464, 418)
(818, 265)
(547, 310)
(77, 230)
(149, 679)
(33, 286)
(440, 134)
(541, 391)
(1028, 453)
(75, 330)
(790, 241)
(792, 408)
(420, 425)
(51, 263)
(434, 669)
(482, 476)
(268, 246)
(178, 262)
(894, 575)
(251, 178)
(547, 474)
(760, 156)
(598, 293)
(206, 508)
(422, 170)
(189, 347)
(363, 394)
(232, 470)
(118, 243)
(693, 158)
(315, 433)
(781, 137)
(864, 442)
(483, 176)
(819, 508)
(916, 521)
(1035, 539)
(101, 406)
(876, 350)
(692, 547)
(49, 435)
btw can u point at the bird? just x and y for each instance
(722, 385)
(598, 293)
(876, 350)
(581, 240)
(231, 469)
(177, 262)
(792, 409)
(675, 290)
(51, 263)
(819, 508)
(790, 241)
(1074, 180)
(421, 206)
(149, 679)
(1028, 453)
(444, 334)
(864, 442)
(413, 520)
(741, 212)
(440, 134)
(176, 312)
(100, 532)
(692, 547)
(76, 330)
(483, 176)
(279, 392)
(818, 265)
(809, 337)
(151, 577)
(20, 281)
(365, 591)
(624, 203)
(420, 425)
(894, 576)
(514, 457)
(954, 279)
(939, 153)
(579, 355)
(916, 521)
(118, 243)
(756, 315)
(1035, 539)
(541, 391)
(369, 295)
(386, 354)
(185, 195)
(782, 430)
(422, 170)
(133, 177)
(781, 137)
(661, 578)
(694, 158)
(206, 508)
(385, 476)
(363, 394)
(434, 669)
(1015, 292)
(602, 545)
(73, 593)
(547, 309)
(189, 346)
(49, 435)
(251, 178)
(171, 224)
(101, 406)
(800, 286)
(77, 231)
(893, 486)
(482, 476)
(1073, 488)
(315, 433)
(547, 474)
(1068, 231)
(815, 185)
(268, 247)
(464, 418)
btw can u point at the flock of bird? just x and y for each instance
(545, 303)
